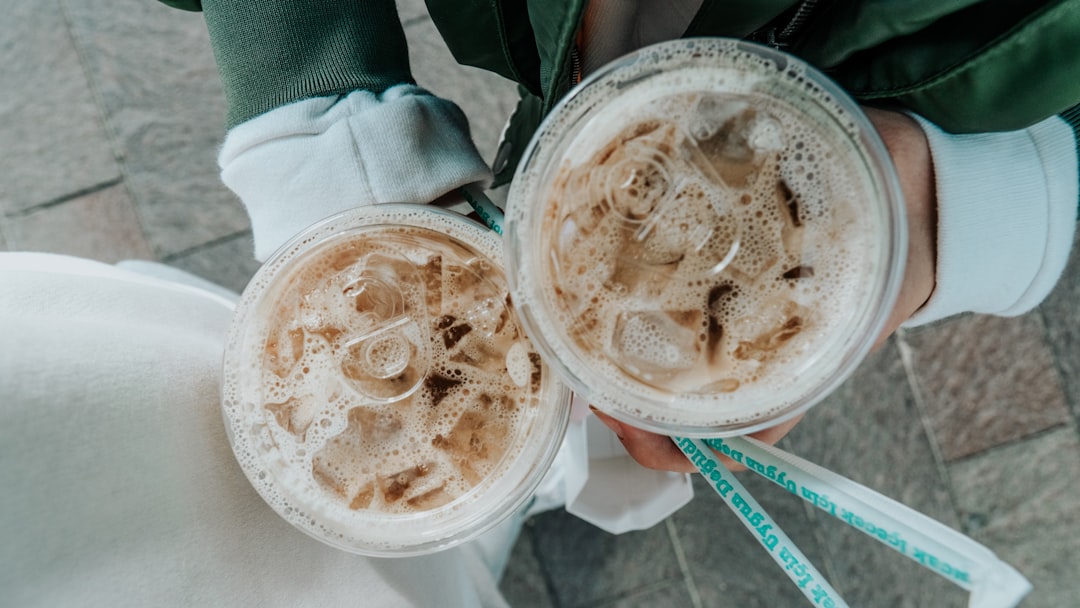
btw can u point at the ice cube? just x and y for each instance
(655, 344)
(284, 348)
(768, 329)
(479, 345)
(452, 330)
(731, 140)
(344, 464)
(792, 232)
(395, 485)
(465, 284)
(718, 301)
(438, 386)
(429, 499)
(713, 113)
(475, 444)
(370, 429)
(537, 372)
(432, 273)
(766, 135)
(293, 416)
(487, 316)
(377, 425)
(633, 276)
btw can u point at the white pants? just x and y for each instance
(117, 483)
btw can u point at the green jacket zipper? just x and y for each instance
(575, 66)
(780, 37)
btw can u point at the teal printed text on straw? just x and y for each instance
(889, 537)
(800, 572)
(771, 472)
(939, 565)
(757, 520)
(482, 210)
(893, 539)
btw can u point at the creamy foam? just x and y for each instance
(708, 236)
(382, 377)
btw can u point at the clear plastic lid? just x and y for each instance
(705, 237)
(379, 392)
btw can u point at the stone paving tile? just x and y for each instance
(872, 574)
(55, 143)
(101, 226)
(986, 381)
(162, 99)
(487, 99)
(870, 431)
(587, 565)
(673, 594)
(1023, 501)
(727, 564)
(1059, 313)
(228, 263)
(523, 584)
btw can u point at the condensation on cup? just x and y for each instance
(379, 391)
(705, 237)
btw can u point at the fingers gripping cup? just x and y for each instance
(379, 391)
(705, 237)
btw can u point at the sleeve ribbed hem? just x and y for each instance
(300, 163)
(274, 52)
(1072, 118)
(1006, 216)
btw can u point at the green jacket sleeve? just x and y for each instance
(186, 5)
(274, 52)
(969, 67)
(1072, 118)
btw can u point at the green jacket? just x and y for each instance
(967, 65)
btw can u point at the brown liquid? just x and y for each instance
(705, 246)
(394, 370)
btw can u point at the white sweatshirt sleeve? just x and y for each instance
(302, 162)
(1006, 215)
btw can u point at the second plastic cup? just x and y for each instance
(705, 237)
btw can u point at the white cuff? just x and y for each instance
(1005, 219)
(304, 161)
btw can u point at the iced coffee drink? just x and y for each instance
(380, 392)
(707, 237)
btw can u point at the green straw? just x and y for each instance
(491, 215)
(762, 527)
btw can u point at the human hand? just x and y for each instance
(910, 151)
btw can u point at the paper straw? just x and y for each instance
(491, 215)
(762, 527)
(958, 558)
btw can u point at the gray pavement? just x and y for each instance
(110, 117)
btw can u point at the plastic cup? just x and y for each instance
(705, 237)
(379, 393)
